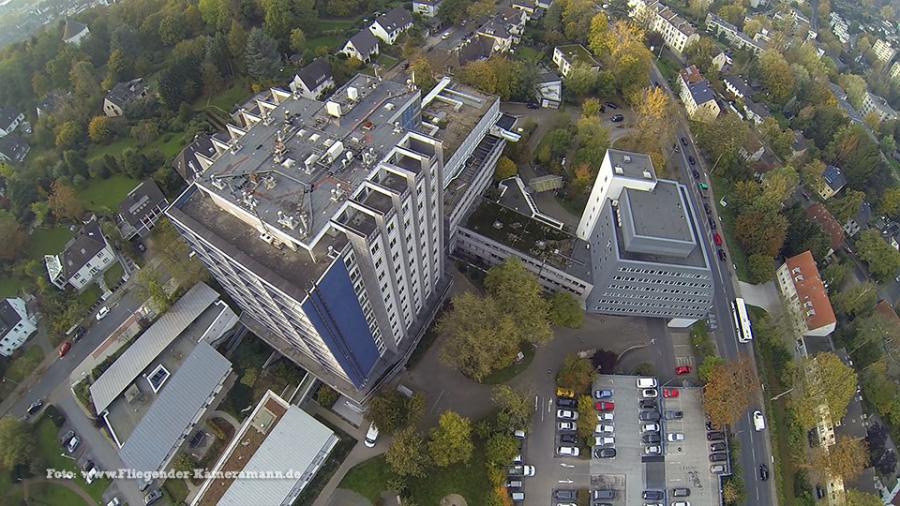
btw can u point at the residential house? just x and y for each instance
(505, 28)
(820, 215)
(885, 309)
(313, 80)
(841, 97)
(800, 144)
(873, 104)
(13, 148)
(833, 181)
(75, 32)
(566, 57)
(895, 70)
(527, 6)
(677, 32)
(800, 285)
(194, 159)
(10, 119)
(697, 95)
(122, 95)
(474, 48)
(548, 87)
(362, 46)
(543, 4)
(733, 35)
(859, 222)
(276, 435)
(141, 209)
(53, 102)
(722, 61)
(839, 27)
(737, 87)
(756, 112)
(83, 260)
(427, 8)
(391, 24)
(883, 50)
(753, 149)
(16, 325)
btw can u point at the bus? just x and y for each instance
(741, 321)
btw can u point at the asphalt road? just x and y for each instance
(755, 446)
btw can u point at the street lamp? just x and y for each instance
(73, 459)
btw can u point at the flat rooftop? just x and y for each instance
(460, 184)
(577, 53)
(659, 213)
(631, 165)
(455, 110)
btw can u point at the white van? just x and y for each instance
(569, 451)
(371, 435)
(759, 423)
(646, 383)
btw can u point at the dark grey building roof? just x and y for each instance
(395, 19)
(72, 29)
(124, 93)
(548, 77)
(82, 248)
(186, 163)
(143, 198)
(477, 48)
(150, 344)
(834, 177)
(702, 92)
(9, 317)
(14, 147)
(171, 414)
(7, 116)
(864, 215)
(739, 84)
(364, 42)
(316, 73)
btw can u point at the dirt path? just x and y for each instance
(65, 483)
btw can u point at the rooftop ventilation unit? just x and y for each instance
(627, 158)
(333, 109)
(648, 175)
(266, 237)
(389, 106)
(619, 170)
(218, 183)
(333, 253)
(352, 93)
(288, 220)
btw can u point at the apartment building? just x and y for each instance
(873, 104)
(895, 70)
(697, 95)
(16, 325)
(566, 57)
(324, 220)
(883, 50)
(839, 27)
(734, 36)
(802, 288)
(677, 32)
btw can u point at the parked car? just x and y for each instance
(568, 438)
(566, 414)
(611, 105)
(603, 394)
(517, 497)
(649, 416)
(565, 392)
(712, 223)
(568, 451)
(73, 444)
(652, 495)
(604, 441)
(670, 393)
(650, 427)
(718, 457)
(717, 447)
(721, 254)
(652, 450)
(512, 483)
(649, 393)
(674, 415)
(682, 370)
(371, 436)
(154, 495)
(650, 438)
(646, 383)
(604, 428)
(695, 174)
(562, 402)
(564, 494)
(603, 494)
(605, 453)
(533, 105)
(520, 470)
(617, 118)
(648, 404)
(691, 160)
(606, 416)
(683, 141)
(759, 423)
(605, 406)
(519, 434)
(681, 492)
(715, 436)
(567, 426)
(35, 406)
(78, 334)
(706, 208)
(67, 436)
(675, 436)
(763, 472)
(64, 348)
(101, 314)
(717, 469)
(91, 475)
(717, 239)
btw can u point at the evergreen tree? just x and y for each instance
(261, 55)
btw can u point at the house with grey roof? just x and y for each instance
(122, 95)
(859, 222)
(737, 87)
(567, 56)
(756, 112)
(16, 325)
(426, 8)
(10, 119)
(53, 102)
(13, 149)
(505, 28)
(697, 95)
(84, 259)
(313, 80)
(833, 181)
(276, 435)
(548, 86)
(194, 159)
(74, 32)
(391, 24)
(363, 46)
(141, 209)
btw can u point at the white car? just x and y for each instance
(519, 434)
(606, 416)
(371, 435)
(568, 451)
(604, 428)
(650, 427)
(91, 475)
(652, 450)
(604, 441)
(101, 314)
(759, 423)
(527, 470)
(565, 425)
(649, 393)
(675, 436)
(566, 414)
(646, 383)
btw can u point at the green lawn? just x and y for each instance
(90, 295)
(6, 484)
(508, 373)
(176, 490)
(327, 25)
(106, 194)
(386, 61)
(470, 480)
(227, 99)
(96, 152)
(47, 241)
(51, 494)
(9, 286)
(528, 54)
(25, 364)
(329, 41)
(113, 274)
(52, 453)
(738, 257)
(169, 144)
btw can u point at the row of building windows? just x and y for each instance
(667, 313)
(658, 272)
(634, 303)
(659, 281)
(659, 298)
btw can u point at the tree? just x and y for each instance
(481, 338)
(858, 300)
(118, 68)
(599, 35)
(846, 206)
(856, 89)
(824, 379)
(586, 412)
(847, 458)
(723, 138)
(778, 186)
(779, 140)
(183, 463)
(853, 497)
(13, 242)
(261, 55)
(576, 373)
(581, 79)
(506, 168)
(730, 389)
(761, 231)
(701, 54)
(149, 285)
(68, 135)
(392, 411)
(565, 310)
(424, 74)
(500, 449)
(408, 454)
(708, 367)
(835, 273)
(776, 76)
(804, 234)
(576, 18)
(857, 154)
(17, 444)
(518, 294)
(882, 260)
(762, 268)
(513, 408)
(890, 202)
(298, 41)
(451, 441)
(237, 38)
(64, 202)
(100, 129)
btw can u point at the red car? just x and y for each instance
(605, 406)
(717, 238)
(682, 370)
(64, 348)
(670, 393)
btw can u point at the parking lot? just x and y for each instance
(687, 462)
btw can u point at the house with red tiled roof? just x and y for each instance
(819, 214)
(801, 286)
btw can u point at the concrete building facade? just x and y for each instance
(16, 325)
